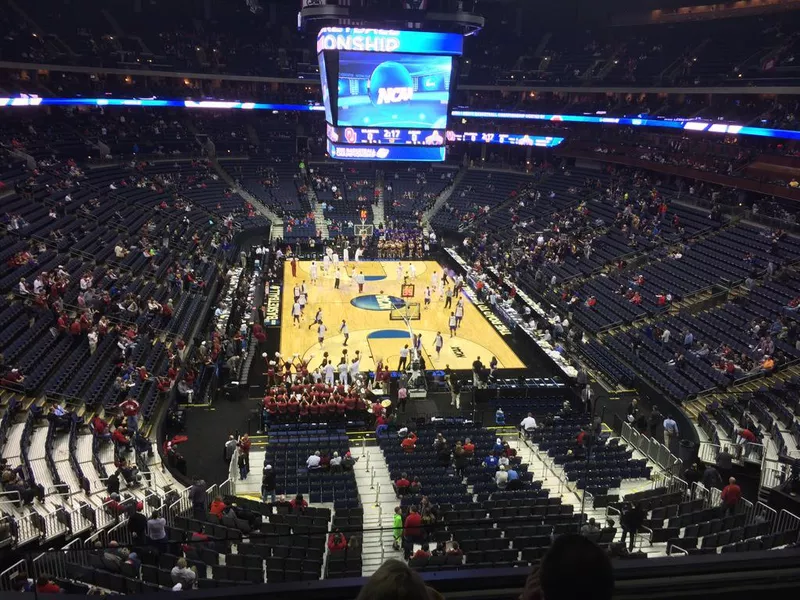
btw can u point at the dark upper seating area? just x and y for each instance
(735, 50)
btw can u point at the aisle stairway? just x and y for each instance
(372, 478)
(443, 197)
(379, 208)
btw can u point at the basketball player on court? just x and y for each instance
(302, 300)
(321, 329)
(317, 318)
(313, 270)
(427, 298)
(438, 342)
(440, 289)
(336, 277)
(399, 272)
(434, 281)
(412, 271)
(344, 330)
(296, 311)
(459, 311)
(453, 324)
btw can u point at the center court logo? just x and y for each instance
(377, 302)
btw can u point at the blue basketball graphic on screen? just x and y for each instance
(409, 91)
(390, 83)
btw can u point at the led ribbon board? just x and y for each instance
(354, 39)
(677, 123)
(404, 153)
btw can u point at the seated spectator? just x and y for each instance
(348, 462)
(336, 542)
(100, 428)
(182, 574)
(120, 438)
(423, 552)
(528, 424)
(402, 485)
(501, 478)
(590, 527)
(298, 504)
(45, 585)
(314, 461)
(217, 507)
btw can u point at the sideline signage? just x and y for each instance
(272, 306)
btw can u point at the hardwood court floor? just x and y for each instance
(371, 330)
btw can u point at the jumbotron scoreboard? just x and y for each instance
(386, 92)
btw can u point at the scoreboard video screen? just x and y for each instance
(387, 87)
(404, 91)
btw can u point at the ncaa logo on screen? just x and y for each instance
(378, 302)
(390, 83)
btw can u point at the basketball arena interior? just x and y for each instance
(394, 299)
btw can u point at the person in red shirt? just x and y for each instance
(100, 428)
(337, 542)
(217, 507)
(409, 443)
(120, 438)
(402, 485)
(747, 435)
(44, 585)
(581, 437)
(75, 328)
(63, 323)
(412, 530)
(423, 552)
(730, 496)
(469, 448)
(455, 550)
(298, 503)
(591, 302)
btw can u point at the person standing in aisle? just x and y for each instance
(455, 392)
(345, 331)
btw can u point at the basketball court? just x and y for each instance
(380, 320)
